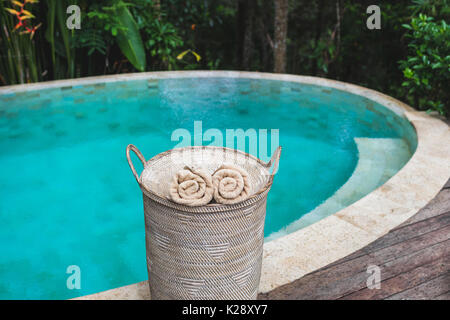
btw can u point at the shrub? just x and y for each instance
(427, 67)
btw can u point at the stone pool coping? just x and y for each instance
(296, 254)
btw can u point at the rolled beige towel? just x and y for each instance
(191, 187)
(231, 184)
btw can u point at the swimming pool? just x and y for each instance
(68, 197)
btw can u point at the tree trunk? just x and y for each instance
(281, 24)
(319, 22)
(245, 16)
(262, 35)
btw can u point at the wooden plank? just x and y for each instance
(439, 205)
(409, 257)
(444, 296)
(351, 276)
(447, 185)
(404, 281)
(409, 232)
(385, 254)
(357, 281)
(398, 235)
(390, 269)
(427, 290)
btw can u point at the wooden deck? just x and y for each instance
(414, 261)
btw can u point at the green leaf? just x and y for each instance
(50, 32)
(408, 73)
(407, 26)
(436, 65)
(65, 34)
(129, 40)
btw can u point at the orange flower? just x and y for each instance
(18, 25)
(33, 30)
(193, 26)
(22, 16)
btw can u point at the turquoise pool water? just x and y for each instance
(67, 194)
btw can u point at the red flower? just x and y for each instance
(22, 15)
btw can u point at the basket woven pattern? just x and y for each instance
(160, 170)
(208, 252)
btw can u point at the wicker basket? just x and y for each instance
(207, 252)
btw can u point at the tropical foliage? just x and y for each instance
(408, 58)
(427, 66)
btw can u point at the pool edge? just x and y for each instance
(294, 255)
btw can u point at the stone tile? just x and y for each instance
(363, 216)
(294, 255)
(137, 291)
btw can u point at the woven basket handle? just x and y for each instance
(130, 162)
(273, 161)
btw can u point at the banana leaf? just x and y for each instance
(129, 40)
